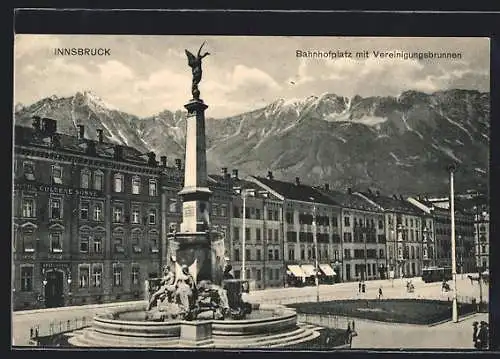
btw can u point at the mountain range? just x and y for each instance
(399, 144)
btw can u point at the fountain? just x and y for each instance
(192, 306)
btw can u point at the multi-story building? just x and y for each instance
(428, 232)
(482, 236)
(465, 233)
(86, 218)
(362, 242)
(306, 213)
(403, 223)
(256, 218)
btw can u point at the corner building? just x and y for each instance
(86, 218)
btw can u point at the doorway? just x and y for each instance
(347, 272)
(54, 289)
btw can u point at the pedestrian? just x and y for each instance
(482, 336)
(359, 287)
(474, 334)
(380, 293)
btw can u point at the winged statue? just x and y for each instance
(195, 63)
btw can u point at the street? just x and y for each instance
(370, 332)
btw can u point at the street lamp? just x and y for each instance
(453, 245)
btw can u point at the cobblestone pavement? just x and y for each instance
(22, 321)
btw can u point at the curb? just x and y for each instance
(75, 307)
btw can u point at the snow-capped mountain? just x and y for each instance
(395, 144)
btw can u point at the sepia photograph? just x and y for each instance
(250, 192)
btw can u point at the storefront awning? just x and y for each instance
(327, 269)
(296, 271)
(308, 269)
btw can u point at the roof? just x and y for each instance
(392, 204)
(27, 136)
(350, 200)
(297, 192)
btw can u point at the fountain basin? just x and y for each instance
(268, 326)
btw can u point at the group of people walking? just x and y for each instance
(480, 335)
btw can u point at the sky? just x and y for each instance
(144, 75)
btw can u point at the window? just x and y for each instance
(172, 208)
(247, 212)
(237, 274)
(248, 274)
(276, 236)
(135, 275)
(136, 185)
(55, 208)
(28, 241)
(28, 207)
(257, 234)
(269, 215)
(381, 254)
(258, 254)
(259, 275)
(118, 242)
(247, 234)
(380, 224)
(83, 277)
(118, 182)
(248, 254)
(257, 213)
(237, 255)
(347, 253)
(98, 212)
(302, 254)
(29, 171)
(347, 222)
(276, 254)
(152, 188)
(223, 210)
(236, 212)
(56, 174)
(153, 240)
(291, 254)
(270, 254)
(26, 279)
(117, 276)
(55, 243)
(277, 273)
(84, 242)
(98, 242)
(85, 179)
(289, 217)
(136, 215)
(98, 180)
(84, 210)
(152, 216)
(97, 275)
(117, 214)
(269, 235)
(136, 241)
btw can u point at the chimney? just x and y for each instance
(100, 137)
(81, 132)
(370, 191)
(223, 172)
(235, 173)
(327, 187)
(36, 123)
(349, 190)
(401, 197)
(49, 126)
(270, 175)
(297, 181)
(152, 159)
(163, 160)
(178, 163)
(118, 152)
(378, 193)
(394, 196)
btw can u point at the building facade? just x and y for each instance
(86, 218)
(403, 223)
(308, 216)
